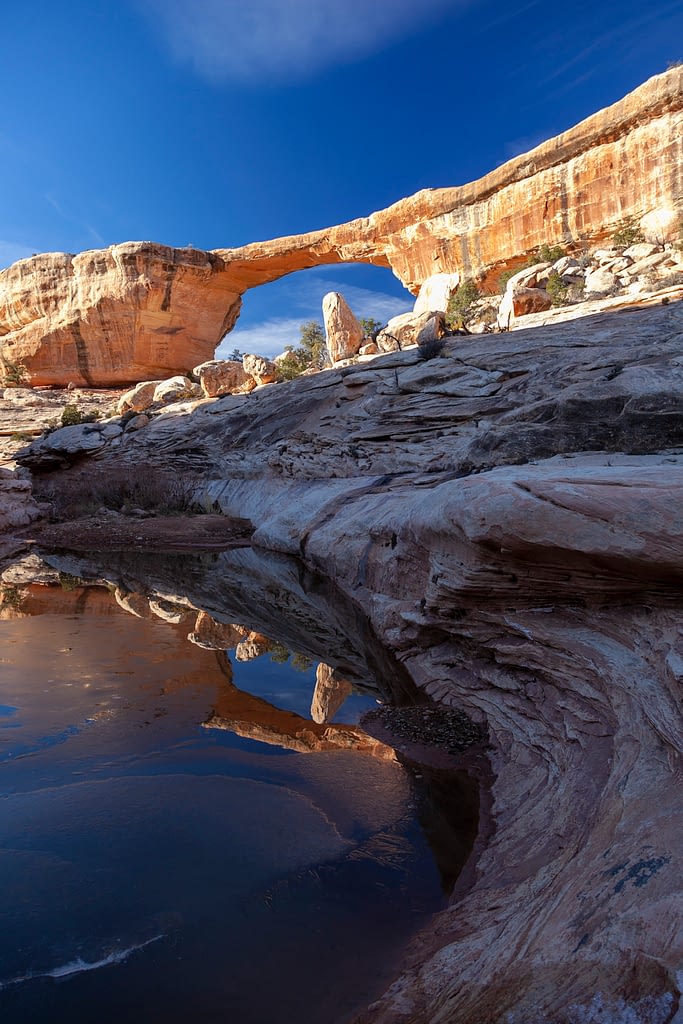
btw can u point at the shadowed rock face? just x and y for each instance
(507, 520)
(140, 310)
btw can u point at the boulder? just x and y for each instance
(139, 398)
(520, 301)
(368, 350)
(176, 389)
(600, 281)
(222, 377)
(566, 265)
(408, 329)
(639, 250)
(647, 263)
(262, 370)
(528, 277)
(435, 293)
(343, 333)
(68, 444)
(136, 423)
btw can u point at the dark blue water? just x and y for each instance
(154, 869)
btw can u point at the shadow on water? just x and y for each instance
(297, 897)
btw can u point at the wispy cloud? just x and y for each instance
(73, 218)
(621, 33)
(285, 39)
(10, 252)
(266, 339)
(308, 292)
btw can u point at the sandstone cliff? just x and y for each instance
(140, 310)
(506, 518)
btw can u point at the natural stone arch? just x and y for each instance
(140, 309)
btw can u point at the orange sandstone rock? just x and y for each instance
(141, 310)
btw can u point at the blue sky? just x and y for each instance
(220, 122)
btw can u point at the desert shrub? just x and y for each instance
(15, 375)
(575, 292)
(550, 253)
(281, 654)
(671, 280)
(461, 305)
(11, 596)
(557, 289)
(505, 277)
(72, 416)
(627, 232)
(144, 487)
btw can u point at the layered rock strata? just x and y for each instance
(506, 519)
(140, 310)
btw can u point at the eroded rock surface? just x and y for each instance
(140, 310)
(507, 517)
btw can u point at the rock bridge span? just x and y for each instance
(141, 310)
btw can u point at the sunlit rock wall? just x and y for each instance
(142, 311)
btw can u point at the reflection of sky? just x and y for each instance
(179, 868)
(292, 689)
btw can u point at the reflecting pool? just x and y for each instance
(179, 839)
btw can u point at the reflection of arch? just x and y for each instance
(257, 719)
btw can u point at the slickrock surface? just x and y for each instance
(505, 518)
(140, 310)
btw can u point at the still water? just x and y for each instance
(178, 841)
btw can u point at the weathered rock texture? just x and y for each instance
(343, 333)
(507, 519)
(141, 310)
(131, 312)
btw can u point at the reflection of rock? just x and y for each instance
(253, 646)
(169, 611)
(134, 604)
(256, 719)
(330, 693)
(215, 635)
(29, 569)
(17, 507)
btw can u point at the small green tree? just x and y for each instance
(557, 289)
(313, 344)
(371, 327)
(627, 232)
(461, 305)
(311, 353)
